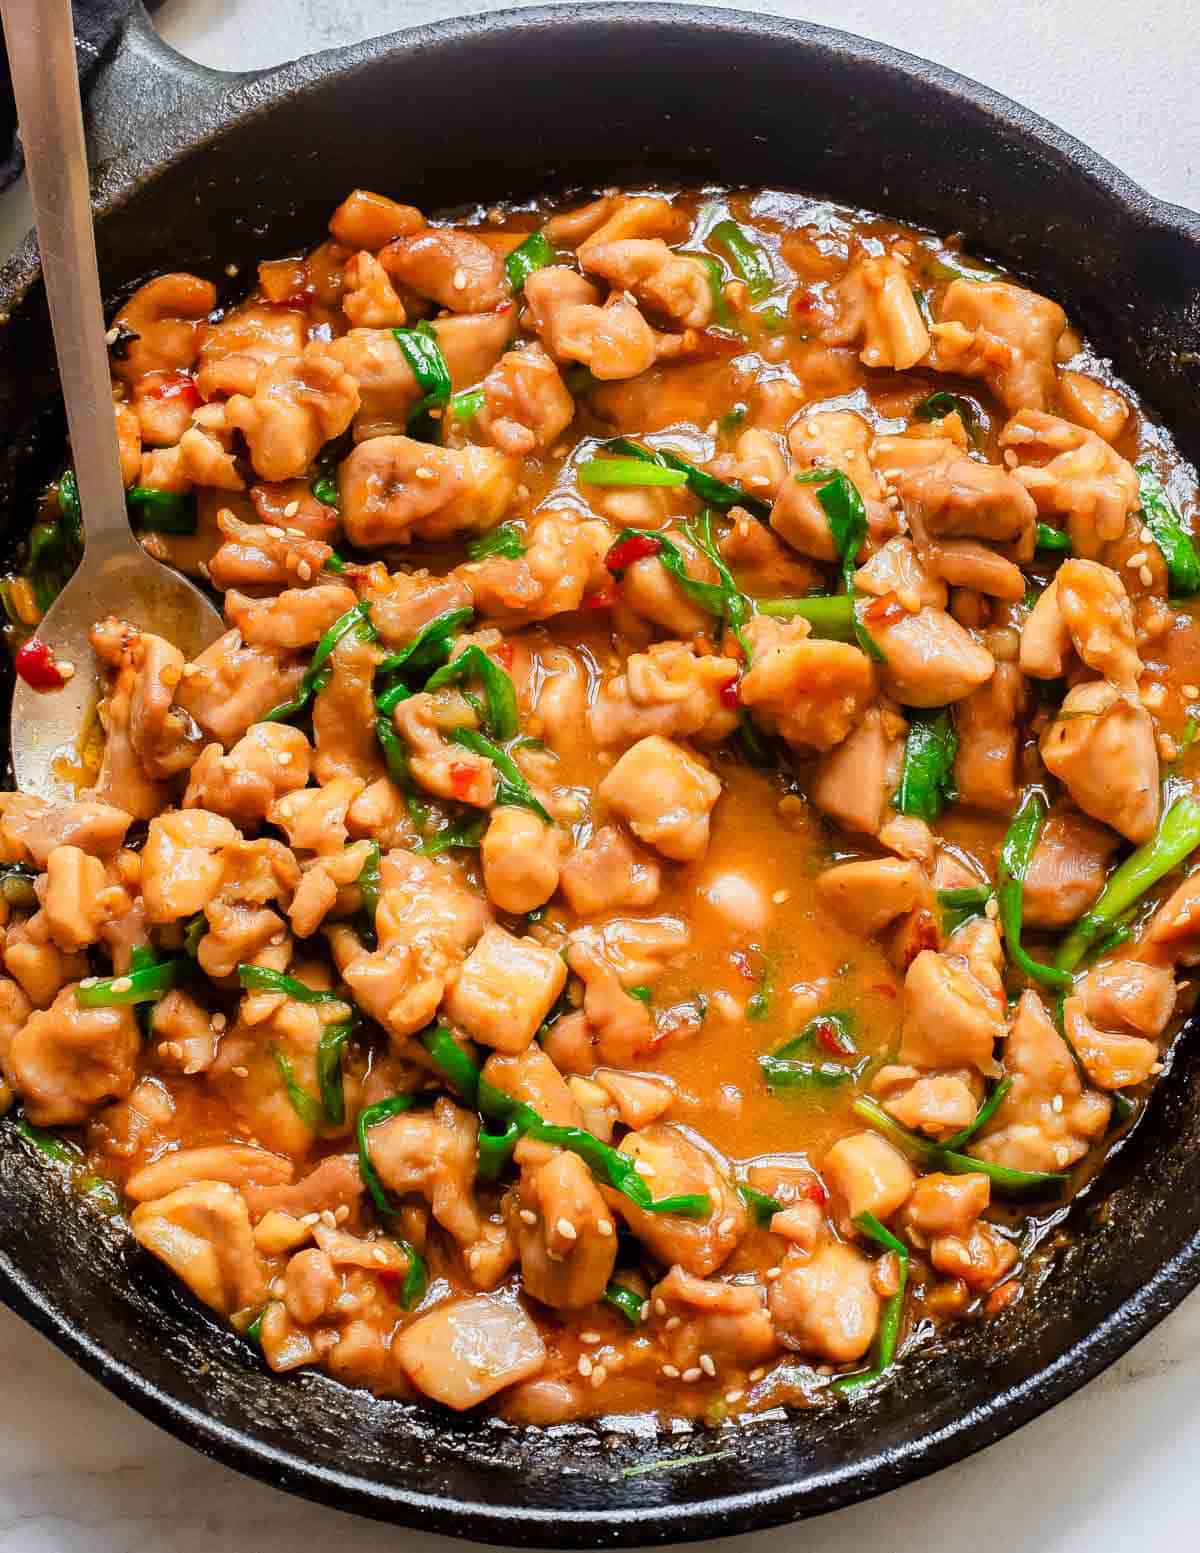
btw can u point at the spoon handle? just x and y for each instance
(41, 52)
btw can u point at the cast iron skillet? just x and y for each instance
(197, 169)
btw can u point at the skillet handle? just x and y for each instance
(146, 98)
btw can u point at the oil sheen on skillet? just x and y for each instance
(678, 868)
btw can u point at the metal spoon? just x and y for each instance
(116, 576)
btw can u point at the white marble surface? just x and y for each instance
(1116, 1468)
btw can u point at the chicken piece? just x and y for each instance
(621, 217)
(310, 1286)
(232, 684)
(1047, 1121)
(263, 555)
(297, 617)
(292, 504)
(129, 443)
(314, 819)
(648, 590)
(66, 1059)
(505, 990)
(1067, 870)
(182, 862)
(432, 1153)
(810, 693)
(369, 300)
(854, 781)
(466, 1350)
(614, 341)
(825, 1304)
(639, 1100)
(568, 1253)
(947, 1205)
(202, 457)
(367, 220)
(36, 961)
(1072, 473)
(868, 1175)
(520, 856)
(876, 307)
(668, 690)
(1095, 609)
(1129, 995)
(617, 1026)
(202, 1233)
(967, 563)
(1111, 1059)
(238, 1164)
(332, 1184)
(727, 1321)
(608, 874)
(235, 349)
(677, 1165)
(959, 498)
(1092, 404)
(987, 723)
(165, 317)
(896, 569)
(526, 404)
(829, 439)
(453, 267)
(938, 1104)
(387, 388)
(344, 715)
(268, 762)
(319, 887)
(549, 578)
(674, 285)
(980, 1260)
(122, 779)
(1045, 637)
(665, 794)
(1102, 748)
(952, 1018)
(182, 1029)
(237, 934)
(412, 603)
(162, 403)
(871, 894)
(15, 1009)
(532, 1077)
(1003, 334)
(78, 899)
(299, 404)
(1173, 936)
(393, 487)
(765, 566)
(445, 769)
(931, 660)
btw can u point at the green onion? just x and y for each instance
(367, 1119)
(721, 494)
(452, 1062)
(16, 887)
(69, 507)
(254, 1330)
(305, 1107)
(507, 540)
(50, 562)
(355, 619)
(325, 489)
(1053, 539)
(941, 404)
(1007, 1181)
(428, 365)
(749, 259)
(949, 266)
(927, 775)
(499, 692)
(789, 1073)
(329, 1071)
(257, 978)
(960, 905)
(1016, 853)
(716, 285)
(984, 1115)
(146, 985)
(164, 512)
(395, 758)
(626, 1302)
(494, 1150)
(50, 1144)
(431, 645)
(763, 1207)
(847, 516)
(512, 790)
(195, 930)
(831, 615)
(1163, 520)
(465, 833)
(1177, 837)
(467, 405)
(368, 889)
(642, 994)
(720, 599)
(416, 1279)
(535, 253)
(893, 1311)
(628, 471)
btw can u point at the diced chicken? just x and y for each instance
(237, 934)
(412, 603)
(669, 690)
(332, 1184)
(387, 388)
(1129, 995)
(344, 715)
(234, 350)
(947, 1205)
(677, 1165)
(314, 819)
(868, 1175)
(520, 857)
(951, 1018)
(370, 300)
(959, 498)
(871, 894)
(33, 958)
(621, 217)
(825, 1304)
(855, 779)
(455, 268)
(665, 794)
(811, 693)
(367, 220)
(639, 1100)
(939, 1104)
(607, 874)
(187, 1042)
(727, 1321)
(987, 723)
(505, 990)
(269, 761)
(432, 1153)
(1072, 473)
(649, 592)
(532, 1077)
(1095, 609)
(1003, 334)
(297, 617)
(674, 285)
(1111, 1059)
(202, 1232)
(615, 341)
(1092, 404)
(299, 404)
(877, 308)
(1102, 748)
(1173, 936)
(466, 1350)
(1045, 637)
(931, 660)
(129, 442)
(182, 863)
(1067, 870)
(442, 768)
(66, 1059)
(896, 569)
(78, 899)
(568, 1253)
(526, 403)
(232, 685)
(549, 578)
(1047, 1121)
(393, 487)
(238, 1164)
(617, 1026)
(829, 439)
(263, 555)
(164, 316)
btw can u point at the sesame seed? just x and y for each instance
(113, 335)
(379, 1255)
(1056, 1104)
(304, 571)
(589, 1337)
(604, 1228)
(528, 1216)
(599, 1376)
(231, 270)
(660, 1307)
(327, 1218)
(284, 757)
(240, 1072)
(1146, 536)
(812, 429)
(65, 668)
(644, 1313)
(585, 1365)
(1154, 694)
(1062, 1154)
(757, 1373)
(219, 1022)
(772, 1273)
(1147, 576)
(292, 508)
(759, 480)
(423, 472)
(459, 280)
(691, 1375)
(734, 1396)
(727, 1225)
(991, 909)
(188, 670)
(1138, 558)
(672, 1323)
(1190, 692)
(780, 896)
(706, 1364)
(522, 493)
(278, 940)
(567, 1230)
(122, 984)
(310, 1219)
(670, 1372)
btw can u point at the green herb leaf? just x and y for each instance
(1053, 539)
(367, 1119)
(355, 619)
(927, 775)
(305, 1107)
(1162, 518)
(329, 1071)
(892, 1319)
(498, 689)
(626, 1302)
(535, 253)
(465, 833)
(428, 365)
(507, 540)
(1016, 853)
(511, 787)
(165, 512)
(257, 978)
(749, 258)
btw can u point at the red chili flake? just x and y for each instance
(626, 551)
(296, 301)
(36, 666)
(603, 598)
(730, 694)
(814, 1191)
(462, 778)
(505, 654)
(834, 1041)
(176, 385)
(506, 307)
(884, 989)
(712, 342)
(802, 302)
(885, 611)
